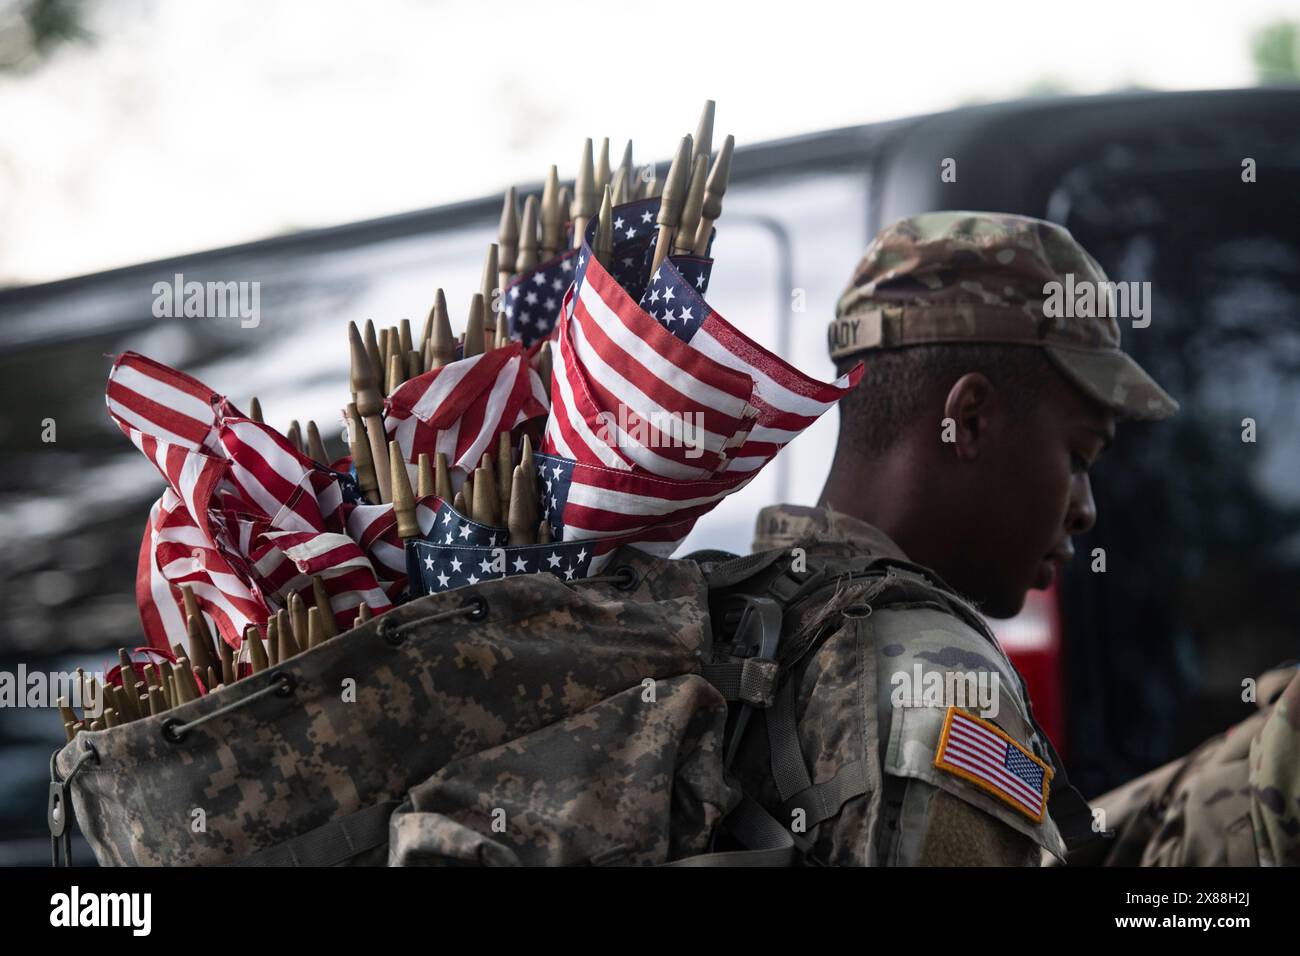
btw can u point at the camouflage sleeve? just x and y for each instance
(1275, 782)
(943, 806)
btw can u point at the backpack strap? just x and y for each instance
(768, 843)
(333, 843)
(901, 582)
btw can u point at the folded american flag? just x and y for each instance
(460, 409)
(650, 383)
(245, 521)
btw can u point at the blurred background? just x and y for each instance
(351, 159)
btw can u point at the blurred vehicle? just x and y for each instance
(1127, 668)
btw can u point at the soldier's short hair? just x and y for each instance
(899, 383)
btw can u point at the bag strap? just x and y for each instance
(331, 844)
(767, 842)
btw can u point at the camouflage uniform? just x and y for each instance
(918, 814)
(952, 277)
(1231, 802)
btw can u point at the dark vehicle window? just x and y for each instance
(1201, 529)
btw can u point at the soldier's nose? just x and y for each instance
(1082, 513)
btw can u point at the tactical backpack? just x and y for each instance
(522, 721)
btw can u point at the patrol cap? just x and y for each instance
(978, 277)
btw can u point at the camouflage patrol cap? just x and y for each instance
(978, 277)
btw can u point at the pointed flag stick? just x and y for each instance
(629, 172)
(157, 701)
(474, 331)
(414, 365)
(619, 189)
(127, 673)
(704, 133)
(488, 467)
(552, 215)
(503, 470)
(424, 476)
(255, 410)
(298, 614)
(566, 202)
(208, 653)
(528, 251)
(405, 336)
(315, 446)
(373, 350)
(507, 239)
(604, 249)
(360, 449)
(370, 405)
(485, 499)
(403, 497)
(491, 288)
(654, 186)
(529, 464)
(442, 477)
(426, 334)
(467, 489)
(458, 503)
(586, 199)
(110, 718)
(229, 672)
(168, 673)
(442, 344)
(503, 335)
(670, 207)
(256, 649)
(522, 520)
(289, 643)
(213, 682)
(186, 689)
(67, 715)
(544, 532)
(364, 613)
(603, 176)
(273, 640)
(544, 366)
(314, 634)
(329, 626)
(714, 190)
(684, 238)
(295, 436)
(396, 373)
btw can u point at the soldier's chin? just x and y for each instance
(1004, 604)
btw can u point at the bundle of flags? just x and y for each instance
(645, 405)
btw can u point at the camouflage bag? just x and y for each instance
(518, 721)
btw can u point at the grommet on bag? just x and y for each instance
(857, 611)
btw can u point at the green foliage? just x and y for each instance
(1275, 50)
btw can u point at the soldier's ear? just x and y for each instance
(968, 415)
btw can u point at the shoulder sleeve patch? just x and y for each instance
(983, 754)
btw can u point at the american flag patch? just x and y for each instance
(980, 752)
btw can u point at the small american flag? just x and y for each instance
(977, 750)
(456, 551)
(461, 408)
(531, 302)
(245, 520)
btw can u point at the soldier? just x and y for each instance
(963, 461)
(1233, 801)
